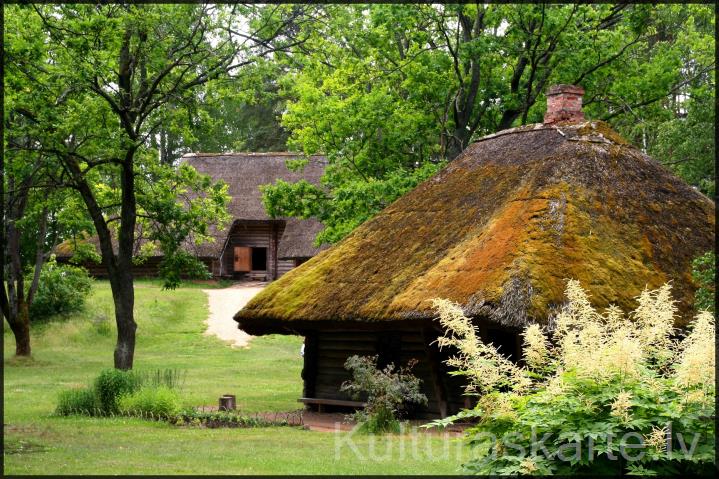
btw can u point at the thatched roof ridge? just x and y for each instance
(499, 230)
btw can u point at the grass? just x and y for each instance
(264, 377)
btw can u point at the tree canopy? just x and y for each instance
(390, 92)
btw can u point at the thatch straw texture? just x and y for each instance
(244, 173)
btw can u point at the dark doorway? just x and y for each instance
(505, 342)
(259, 259)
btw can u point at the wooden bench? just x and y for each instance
(321, 403)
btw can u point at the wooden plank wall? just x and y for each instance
(284, 265)
(334, 347)
(256, 234)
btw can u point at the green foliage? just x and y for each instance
(609, 394)
(150, 401)
(677, 130)
(62, 289)
(379, 422)
(351, 203)
(111, 384)
(578, 431)
(704, 275)
(387, 392)
(214, 419)
(386, 90)
(142, 393)
(77, 401)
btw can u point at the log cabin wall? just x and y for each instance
(284, 265)
(256, 234)
(327, 351)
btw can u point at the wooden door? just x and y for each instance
(243, 259)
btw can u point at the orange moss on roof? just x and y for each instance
(500, 229)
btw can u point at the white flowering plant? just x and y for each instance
(601, 393)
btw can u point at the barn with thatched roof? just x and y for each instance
(252, 245)
(497, 231)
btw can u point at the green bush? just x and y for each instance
(62, 289)
(155, 402)
(704, 275)
(77, 401)
(111, 384)
(388, 392)
(602, 394)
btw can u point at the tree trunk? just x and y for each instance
(119, 268)
(18, 317)
(123, 289)
(508, 118)
(123, 294)
(458, 141)
(20, 327)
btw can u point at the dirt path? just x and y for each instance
(223, 304)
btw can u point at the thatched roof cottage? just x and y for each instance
(253, 245)
(497, 231)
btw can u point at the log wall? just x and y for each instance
(257, 234)
(327, 351)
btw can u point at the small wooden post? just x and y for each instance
(227, 402)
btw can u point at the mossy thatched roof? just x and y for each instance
(500, 229)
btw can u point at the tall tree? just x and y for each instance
(35, 213)
(241, 115)
(19, 178)
(114, 75)
(388, 92)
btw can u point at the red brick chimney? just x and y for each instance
(564, 103)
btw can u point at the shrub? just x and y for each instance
(388, 392)
(77, 401)
(111, 384)
(704, 275)
(155, 402)
(603, 394)
(62, 289)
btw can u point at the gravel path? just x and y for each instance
(223, 304)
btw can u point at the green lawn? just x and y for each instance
(264, 377)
